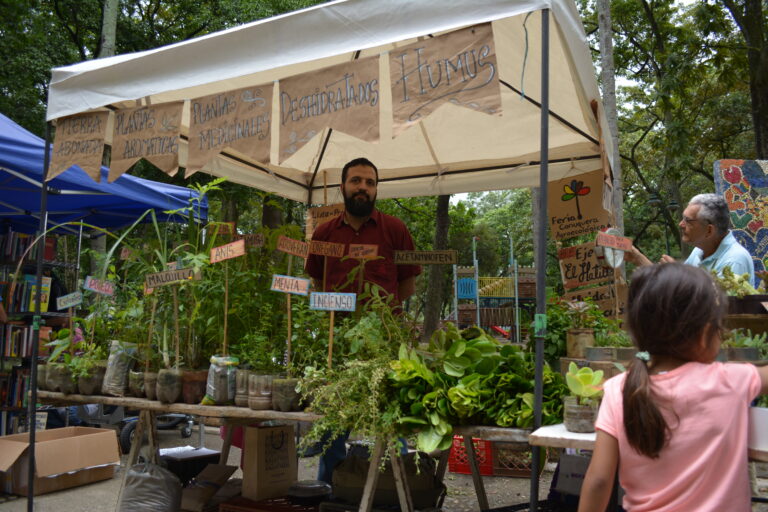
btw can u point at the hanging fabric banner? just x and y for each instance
(576, 205)
(151, 133)
(344, 97)
(239, 120)
(458, 67)
(79, 141)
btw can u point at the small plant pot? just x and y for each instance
(168, 385)
(193, 385)
(41, 368)
(577, 342)
(260, 393)
(578, 417)
(284, 395)
(58, 377)
(742, 354)
(91, 385)
(241, 388)
(609, 353)
(150, 385)
(136, 383)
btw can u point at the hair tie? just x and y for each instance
(643, 356)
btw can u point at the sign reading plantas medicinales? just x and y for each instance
(344, 97)
(458, 68)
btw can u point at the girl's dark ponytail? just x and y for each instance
(645, 426)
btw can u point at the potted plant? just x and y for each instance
(88, 368)
(580, 408)
(58, 375)
(742, 345)
(581, 334)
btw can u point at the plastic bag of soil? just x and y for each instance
(150, 488)
(220, 388)
(120, 361)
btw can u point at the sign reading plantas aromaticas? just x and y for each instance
(576, 205)
(458, 68)
(332, 301)
(79, 141)
(228, 251)
(363, 251)
(69, 301)
(172, 276)
(99, 286)
(449, 257)
(290, 284)
(579, 266)
(291, 246)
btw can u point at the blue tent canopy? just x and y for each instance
(73, 195)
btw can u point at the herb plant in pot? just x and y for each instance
(581, 334)
(89, 368)
(58, 375)
(580, 408)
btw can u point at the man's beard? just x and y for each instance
(359, 205)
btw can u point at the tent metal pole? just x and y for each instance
(541, 249)
(32, 398)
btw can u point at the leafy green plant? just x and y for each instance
(743, 338)
(83, 363)
(584, 383)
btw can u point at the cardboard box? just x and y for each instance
(64, 457)
(270, 464)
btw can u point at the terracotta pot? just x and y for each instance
(577, 342)
(284, 395)
(58, 377)
(91, 385)
(41, 368)
(193, 385)
(136, 383)
(150, 385)
(260, 392)
(577, 417)
(168, 385)
(241, 388)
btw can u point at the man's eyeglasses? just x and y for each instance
(690, 221)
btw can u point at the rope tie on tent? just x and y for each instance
(525, 57)
(518, 166)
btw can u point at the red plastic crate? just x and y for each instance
(458, 462)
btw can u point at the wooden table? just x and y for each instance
(229, 415)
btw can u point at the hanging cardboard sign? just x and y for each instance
(69, 301)
(289, 284)
(239, 119)
(449, 257)
(326, 248)
(327, 301)
(151, 133)
(291, 246)
(579, 266)
(79, 141)
(253, 240)
(603, 296)
(320, 215)
(363, 251)
(167, 277)
(576, 205)
(228, 251)
(621, 243)
(458, 68)
(99, 286)
(344, 97)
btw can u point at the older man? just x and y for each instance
(705, 226)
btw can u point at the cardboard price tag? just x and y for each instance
(169, 277)
(449, 257)
(289, 284)
(621, 243)
(228, 251)
(254, 240)
(291, 246)
(326, 301)
(326, 248)
(69, 301)
(363, 251)
(99, 286)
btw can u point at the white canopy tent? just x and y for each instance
(454, 150)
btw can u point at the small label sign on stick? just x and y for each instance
(326, 248)
(448, 257)
(363, 251)
(326, 301)
(254, 240)
(621, 243)
(169, 277)
(228, 251)
(69, 301)
(291, 246)
(99, 286)
(289, 284)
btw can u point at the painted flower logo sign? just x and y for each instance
(744, 185)
(584, 192)
(572, 191)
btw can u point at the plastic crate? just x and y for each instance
(458, 462)
(512, 459)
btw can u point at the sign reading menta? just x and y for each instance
(170, 277)
(289, 284)
(228, 251)
(448, 257)
(99, 286)
(332, 301)
(69, 301)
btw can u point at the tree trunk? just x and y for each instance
(436, 285)
(271, 214)
(108, 28)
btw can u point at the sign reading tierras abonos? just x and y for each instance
(327, 301)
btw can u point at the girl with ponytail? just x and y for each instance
(675, 424)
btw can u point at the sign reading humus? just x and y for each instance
(344, 97)
(79, 141)
(458, 67)
(576, 205)
(151, 133)
(579, 266)
(240, 120)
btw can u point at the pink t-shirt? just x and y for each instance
(704, 465)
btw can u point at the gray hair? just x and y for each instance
(714, 210)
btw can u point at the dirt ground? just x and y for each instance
(103, 496)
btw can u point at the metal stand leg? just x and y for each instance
(366, 503)
(477, 479)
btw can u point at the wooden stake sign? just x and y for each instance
(326, 249)
(69, 301)
(289, 284)
(320, 215)
(228, 251)
(363, 251)
(169, 277)
(253, 240)
(449, 257)
(293, 247)
(621, 243)
(605, 297)
(332, 302)
(579, 266)
(99, 286)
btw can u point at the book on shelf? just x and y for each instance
(22, 294)
(15, 387)
(13, 246)
(16, 340)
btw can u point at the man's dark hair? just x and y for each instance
(355, 162)
(713, 209)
